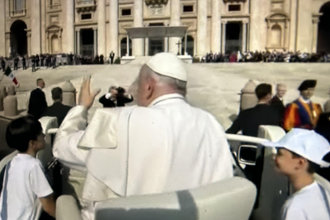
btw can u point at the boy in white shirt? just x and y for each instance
(25, 186)
(299, 154)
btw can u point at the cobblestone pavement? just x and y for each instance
(213, 87)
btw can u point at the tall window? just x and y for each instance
(18, 5)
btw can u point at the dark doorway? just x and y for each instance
(233, 37)
(87, 42)
(123, 47)
(18, 38)
(323, 44)
(190, 45)
(156, 45)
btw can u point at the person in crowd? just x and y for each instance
(157, 134)
(300, 153)
(33, 60)
(16, 59)
(3, 64)
(54, 61)
(71, 58)
(303, 113)
(24, 62)
(37, 59)
(37, 102)
(277, 100)
(249, 120)
(96, 60)
(57, 110)
(101, 59)
(112, 56)
(116, 97)
(24, 181)
(42, 57)
(48, 61)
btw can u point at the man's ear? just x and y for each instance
(150, 86)
(302, 163)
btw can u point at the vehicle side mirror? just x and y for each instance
(247, 154)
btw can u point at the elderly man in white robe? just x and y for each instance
(161, 145)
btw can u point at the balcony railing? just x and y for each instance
(85, 5)
(54, 7)
(153, 2)
(85, 2)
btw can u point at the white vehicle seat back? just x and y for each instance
(46, 155)
(271, 133)
(231, 199)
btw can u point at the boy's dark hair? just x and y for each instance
(21, 131)
(312, 167)
(263, 90)
(57, 93)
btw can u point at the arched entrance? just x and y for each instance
(123, 47)
(190, 45)
(18, 38)
(323, 43)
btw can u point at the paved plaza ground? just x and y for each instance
(213, 87)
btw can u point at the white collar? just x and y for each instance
(304, 101)
(279, 97)
(39, 87)
(165, 97)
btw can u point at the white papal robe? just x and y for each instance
(165, 147)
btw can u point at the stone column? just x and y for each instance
(101, 27)
(304, 26)
(216, 26)
(69, 26)
(224, 23)
(316, 21)
(78, 41)
(113, 24)
(260, 9)
(244, 41)
(185, 44)
(43, 27)
(95, 42)
(165, 44)
(138, 22)
(146, 46)
(293, 25)
(2, 28)
(36, 27)
(201, 27)
(29, 43)
(7, 40)
(127, 45)
(175, 21)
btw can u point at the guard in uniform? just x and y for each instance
(303, 113)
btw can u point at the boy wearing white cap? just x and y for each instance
(299, 154)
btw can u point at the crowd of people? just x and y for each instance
(265, 56)
(161, 145)
(52, 60)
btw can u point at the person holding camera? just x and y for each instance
(116, 97)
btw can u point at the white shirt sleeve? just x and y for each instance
(39, 183)
(65, 146)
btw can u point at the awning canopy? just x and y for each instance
(157, 31)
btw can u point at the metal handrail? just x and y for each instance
(242, 138)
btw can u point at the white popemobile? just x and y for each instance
(245, 196)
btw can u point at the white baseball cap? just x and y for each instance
(168, 64)
(305, 143)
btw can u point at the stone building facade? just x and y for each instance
(93, 27)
